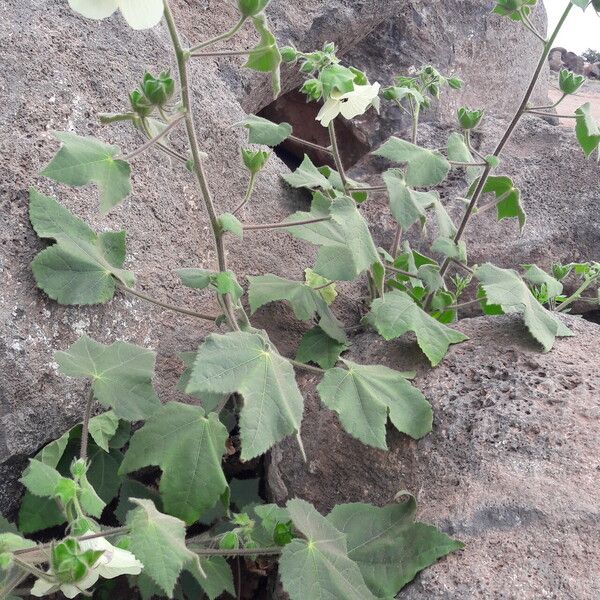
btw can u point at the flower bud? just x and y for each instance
(312, 88)
(329, 47)
(469, 119)
(140, 104)
(288, 54)
(569, 82)
(78, 468)
(307, 67)
(254, 161)
(158, 90)
(251, 8)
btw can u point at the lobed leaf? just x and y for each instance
(586, 129)
(263, 131)
(188, 447)
(364, 396)
(82, 267)
(121, 375)
(509, 199)
(248, 364)
(396, 313)
(505, 288)
(317, 347)
(308, 176)
(83, 160)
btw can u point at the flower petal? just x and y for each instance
(114, 561)
(94, 9)
(41, 587)
(359, 100)
(70, 590)
(329, 111)
(142, 14)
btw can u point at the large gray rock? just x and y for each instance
(511, 466)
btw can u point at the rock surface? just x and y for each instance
(511, 466)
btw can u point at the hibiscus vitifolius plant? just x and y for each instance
(153, 513)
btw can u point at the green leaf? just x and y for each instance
(364, 397)
(387, 544)
(509, 199)
(103, 427)
(40, 479)
(308, 176)
(305, 301)
(158, 541)
(586, 129)
(52, 453)
(396, 313)
(407, 206)
(336, 78)
(9, 542)
(505, 288)
(222, 282)
(7, 527)
(537, 276)
(448, 247)
(425, 167)
(325, 287)
(121, 375)
(458, 151)
(83, 160)
(188, 447)
(229, 222)
(316, 346)
(214, 577)
(262, 131)
(266, 57)
(319, 566)
(82, 266)
(248, 364)
(91, 503)
(36, 514)
(347, 248)
(134, 489)
(209, 401)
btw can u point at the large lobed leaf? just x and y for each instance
(365, 395)
(425, 167)
(121, 375)
(306, 302)
(188, 447)
(83, 160)
(318, 566)
(316, 346)
(389, 547)
(347, 248)
(83, 266)
(248, 364)
(505, 288)
(396, 313)
(263, 131)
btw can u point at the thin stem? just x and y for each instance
(402, 272)
(550, 106)
(198, 167)
(507, 134)
(178, 309)
(153, 140)
(247, 195)
(107, 118)
(322, 287)
(545, 114)
(237, 552)
(463, 304)
(576, 294)
(462, 266)
(172, 153)
(305, 367)
(244, 52)
(86, 423)
(373, 188)
(455, 163)
(337, 156)
(529, 25)
(293, 138)
(395, 247)
(220, 38)
(257, 226)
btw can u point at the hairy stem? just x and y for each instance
(276, 551)
(247, 195)
(337, 157)
(154, 140)
(305, 367)
(576, 294)
(257, 226)
(220, 38)
(198, 167)
(507, 134)
(308, 144)
(244, 52)
(177, 309)
(86, 424)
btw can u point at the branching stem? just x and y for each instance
(305, 367)
(154, 140)
(308, 144)
(220, 38)
(257, 226)
(337, 157)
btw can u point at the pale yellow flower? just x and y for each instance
(351, 104)
(140, 14)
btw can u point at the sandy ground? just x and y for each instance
(590, 92)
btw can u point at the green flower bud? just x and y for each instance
(81, 526)
(390, 93)
(288, 54)
(329, 47)
(66, 490)
(78, 468)
(569, 82)
(251, 8)
(313, 88)
(469, 119)
(254, 161)
(307, 67)
(140, 103)
(69, 563)
(158, 90)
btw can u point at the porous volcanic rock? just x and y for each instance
(511, 466)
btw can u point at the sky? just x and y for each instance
(581, 30)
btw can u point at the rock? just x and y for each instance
(574, 62)
(592, 70)
(511, 466)
(555, 60)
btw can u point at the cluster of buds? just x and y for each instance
(154, 92)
